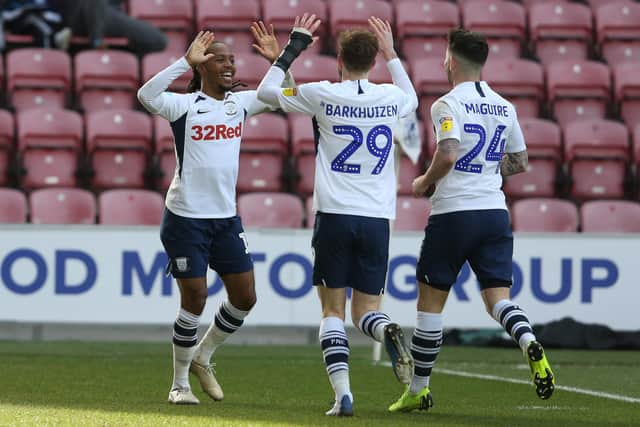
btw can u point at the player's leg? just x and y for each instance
(332, 261)
(492, 264)
(185, 244)
(368, 274)
(441, 257)
(231, 259)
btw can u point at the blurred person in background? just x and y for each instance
(98, 19)
(33, 17)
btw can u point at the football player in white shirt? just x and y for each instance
(355, 188)
(479, 141)
(200, 227)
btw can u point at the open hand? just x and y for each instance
(308, 23)
(384, 34)
(196, 54)
(266, 43)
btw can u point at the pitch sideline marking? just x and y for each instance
(518, 381)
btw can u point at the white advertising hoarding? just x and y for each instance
(100, 274)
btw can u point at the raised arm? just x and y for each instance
(267, 45)
(382, 30)
(152, 94)
(301, 37)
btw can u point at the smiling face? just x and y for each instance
(218, 72)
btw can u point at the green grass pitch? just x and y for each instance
(126, 384)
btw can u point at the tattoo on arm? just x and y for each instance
(514, 163)
(447, 146)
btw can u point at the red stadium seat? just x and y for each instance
(173, 17)
(118, 143)
(49, 145)
(13, 206)
(597, 4)
(281, 14)
(618, 52)
(7, 135)
(260, 172)
(349, 14)
(306, 167)
(544, 146)
(626, 84)
(251, 68)
(312, 67)
(239, 42)
(560, 31)
(302, 137)
(270, 210)
(165, 151)
(544, 215)
(153, 63)
(38, 78)
(379, 73)
(597, 152)
(226, 15)
(423, 26)
(430, 81)
(617, 31)
(411, 214)
(106, 79)
(266, 132)
(130, 207)
(636, 146)
(520, 81)
(407, 173)
(62, 206)
(578, 90)
(503, 23)
(610, 216)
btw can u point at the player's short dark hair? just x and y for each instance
(469, 45)
(358, 49)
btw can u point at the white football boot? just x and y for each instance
(206, 377)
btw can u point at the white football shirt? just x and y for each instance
(353, 122)
(207, 134)
(486, 125)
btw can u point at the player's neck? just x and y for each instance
(465, 78)
(347, 75)
(215, 92)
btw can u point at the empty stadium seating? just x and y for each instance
(130, 207)
(38, 78)
(153, 63)
(520, 81)
(7, 135)
(270, 210)
(281, 13)
(174, 17)
(49, 147)
(265, 133)
(164, 152)
(406, 174)
(503, 23)
(314, 67)
(617, 31)
(250, 69)
(578, 90)
(13, 206)
(597, 152)
(610, 216)
(411, 214)
(560, 31)
(118, 145)
(62, 206)
(348, 14)
(238, 42)
(544, 215)
(106, 79)
(260, 172)
(422, 27)
(626, 87)
(430, 82)
(226, 15)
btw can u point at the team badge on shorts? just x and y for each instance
(231, 108)
(290, 91)
(181, 264)
(446, 123)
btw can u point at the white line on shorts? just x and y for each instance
(595, 393)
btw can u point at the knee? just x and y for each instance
(195, 300)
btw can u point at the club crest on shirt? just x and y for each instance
(230, 108)
(446, 123)
(290, 91)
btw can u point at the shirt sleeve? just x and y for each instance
(515, 141)
(409, 101)
(153, 96)
(444, 121)
(251, 104)
(301, 99)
